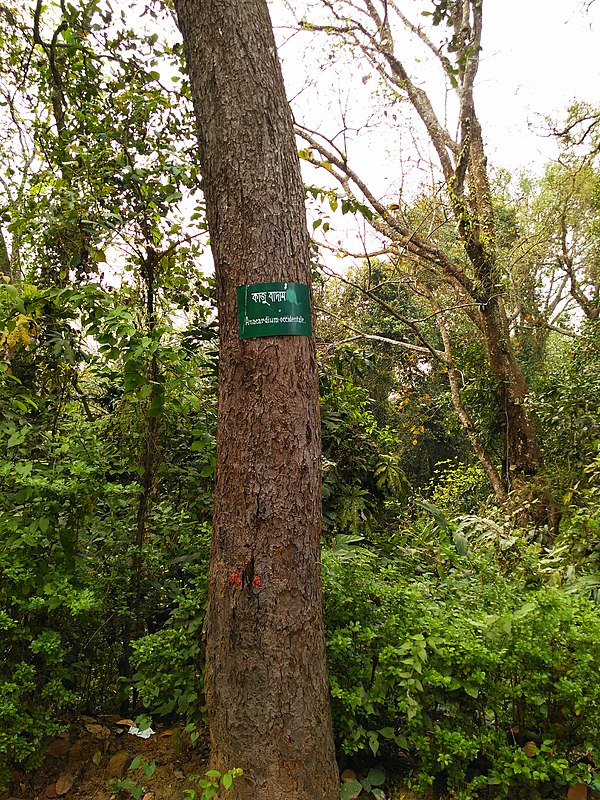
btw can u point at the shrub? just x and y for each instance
(170, 662)
(458, 674)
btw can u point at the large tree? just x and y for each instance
(266, 679)
(470, 278)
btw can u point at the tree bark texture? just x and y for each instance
(7, 269)
(266, 678)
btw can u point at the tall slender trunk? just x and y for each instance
(266, 680)
(9, 263)
(133, 617)
(5, 269)
(522, 467)
(474, 214)
(485, 459)
(522, 453)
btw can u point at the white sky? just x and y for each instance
(538, 56)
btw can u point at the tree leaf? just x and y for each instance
(227, 780)
(376, 776)
(64, 783)
(350, 790)
(149, 769)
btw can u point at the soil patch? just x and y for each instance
(86, 760)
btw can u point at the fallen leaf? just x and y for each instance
(148, 796)
(94, 728)
(129, 722)
(64, 783)
(118, 764)
(578, 792)
(530, 749)
(97, 757)
(348, 775)
(50, 790)
(168, 732)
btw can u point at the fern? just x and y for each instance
(390, 477)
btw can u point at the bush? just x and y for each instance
(459, 488)
(457, 675)
(169, 664)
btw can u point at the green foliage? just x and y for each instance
(169, 663)
(371, 782)
(455, 641)
(363, 481)
(408, 392)
(566, 404)
(456, 674)
(458, 488)
(101, 524)
(124, 787)
(30, 695)
(211, 783)
(69, 479)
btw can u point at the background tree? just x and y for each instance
(473, 276)
(90, 362)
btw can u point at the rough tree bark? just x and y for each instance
(266, 680)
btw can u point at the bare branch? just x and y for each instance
(386, 223)
(425, 351)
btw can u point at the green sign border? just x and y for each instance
(274, 309)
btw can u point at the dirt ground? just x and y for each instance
(92, 760)
(85, 761)
(88, 761)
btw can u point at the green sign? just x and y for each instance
(274, 309)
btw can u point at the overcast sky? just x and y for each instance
(538, 56)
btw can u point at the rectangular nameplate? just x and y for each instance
(274, 309)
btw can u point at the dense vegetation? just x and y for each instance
(463, 632)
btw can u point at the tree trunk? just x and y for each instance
(6, 266)
(522, 455)
(266, 679)
(477, 283)
(486, 461)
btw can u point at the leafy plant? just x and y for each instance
(128, 786)
(455, 673)
(211, 782)
(371, 783)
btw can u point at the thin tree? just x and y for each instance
(475, 278)
(266, 679)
